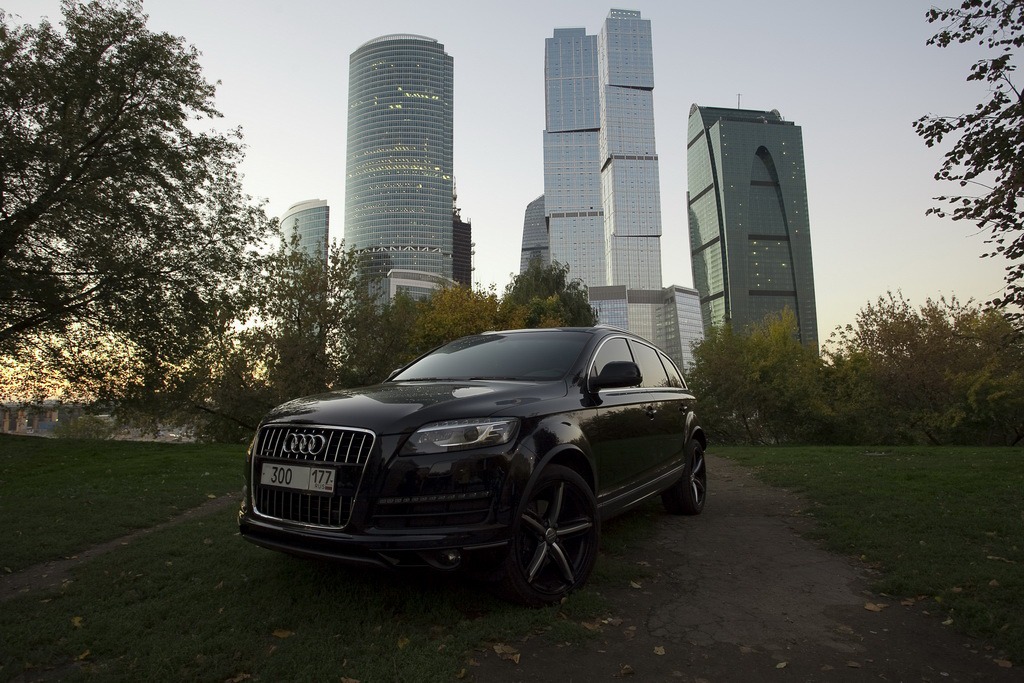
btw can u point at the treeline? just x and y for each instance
(302, 326)
(944, 373)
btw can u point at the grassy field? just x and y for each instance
(941, 524)
(195, 601)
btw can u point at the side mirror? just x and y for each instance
(617, 374)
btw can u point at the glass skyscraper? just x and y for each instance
(535, 235)
(398, 190)
(310, 220)
(602, 200)
(750, 236)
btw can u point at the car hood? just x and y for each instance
(398, 407)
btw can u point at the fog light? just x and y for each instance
(449, 558)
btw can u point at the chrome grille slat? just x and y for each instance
(312, 509)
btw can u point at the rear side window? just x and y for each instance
(650, 365)
(674, 378)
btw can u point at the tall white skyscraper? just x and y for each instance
(602, 201)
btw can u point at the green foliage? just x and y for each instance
(88, 427)
(947, 373)
(123, 231)
(761, 386)
(549, 298)
(988, 146)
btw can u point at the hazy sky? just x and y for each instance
(853, 76)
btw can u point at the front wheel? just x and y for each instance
(687, 496)
(554, 539)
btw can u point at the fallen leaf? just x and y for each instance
(281, 633)
(853, 665)
(210, 495)
(1005, 663)
(402, 642)
(948, 622)
(875, 606)
(635, 584)
(957, 589)
(84, 656)
(659, 650)
(993, 583)
(461, 674)
(346, 679)
(907, 602)
(625, 670)
(76, 622)
(238, 678)
(507, 652)
(614, 621)
(591, 625)
(782, 665)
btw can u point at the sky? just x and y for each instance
(853, 76)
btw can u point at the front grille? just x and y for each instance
(346, 451)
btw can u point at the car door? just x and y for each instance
(617, 429)
(664, 410)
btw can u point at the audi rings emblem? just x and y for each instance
(305, 444)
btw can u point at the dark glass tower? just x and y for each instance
(750, 236)
(398, 187)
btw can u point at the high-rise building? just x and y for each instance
(750, 235)
(462, 248)
(310, 220)
(398, 190)
(535, 235)
(602, 198)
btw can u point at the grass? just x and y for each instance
(194, 601)
(58, 497)
(942, 524)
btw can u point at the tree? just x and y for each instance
(549, 298)
(987, 156)
(118, 221)
(760, 386)
(947, 372)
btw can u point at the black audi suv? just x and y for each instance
(501, 452)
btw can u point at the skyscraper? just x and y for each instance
(398, 190)
(310, 220)
(750, 235)
(602, 199)
(535, 235)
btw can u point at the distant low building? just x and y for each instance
(35, 419)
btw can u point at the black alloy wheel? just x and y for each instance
(554, 540)
(688, 495)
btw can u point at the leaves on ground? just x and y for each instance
(282, 633)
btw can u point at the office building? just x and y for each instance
(462, 248)
(398, 188)
(750, 236)
(535, 235)
(602, 200)
(310, 220)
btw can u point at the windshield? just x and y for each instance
(515, 356)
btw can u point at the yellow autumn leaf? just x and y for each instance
(76, 622)
(659, 650)
(282, 633)
(84, 655)
(402, 642)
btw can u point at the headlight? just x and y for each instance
(458, 435)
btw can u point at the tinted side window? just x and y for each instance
(650, 365)
(674, 378)
(612, 350)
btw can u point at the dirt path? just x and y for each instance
(738, 594)
(52, 574)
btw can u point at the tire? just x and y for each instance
(555, 537)
(687, 496)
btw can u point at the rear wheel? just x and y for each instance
(687, 496)
(554, 539)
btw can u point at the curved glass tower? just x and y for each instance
(750, 236)
(398, 187)
(311, 221)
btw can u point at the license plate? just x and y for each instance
(318, 479)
